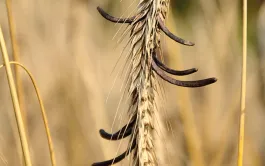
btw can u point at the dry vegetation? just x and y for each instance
(70, 50)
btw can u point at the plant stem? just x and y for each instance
(15, 50)
(243, 86)
(13, 91)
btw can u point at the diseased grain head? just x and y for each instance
(145, 31)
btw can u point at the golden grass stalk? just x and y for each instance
(243, 88)
(16, 58)
(13, 91)
(43, 112)
(15, 50)
(19, 82)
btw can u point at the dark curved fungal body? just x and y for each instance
(171, 35)
(124, 132)
(172, 71)
(116, 159)
(190, 84)
(116, 136)
(115, 19)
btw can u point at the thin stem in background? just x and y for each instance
(13, 91)
(243, 90)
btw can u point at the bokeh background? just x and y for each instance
(71, 51)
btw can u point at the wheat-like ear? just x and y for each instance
(146, 27)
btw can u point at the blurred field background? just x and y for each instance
(70, 50)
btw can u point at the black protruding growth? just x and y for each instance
(116, 159)
(190, 84)
(115, 19)
(171, 35)
(172, 71)
(125, 131)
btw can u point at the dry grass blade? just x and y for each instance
(43, 112)
(13, 91)
(243, 88)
